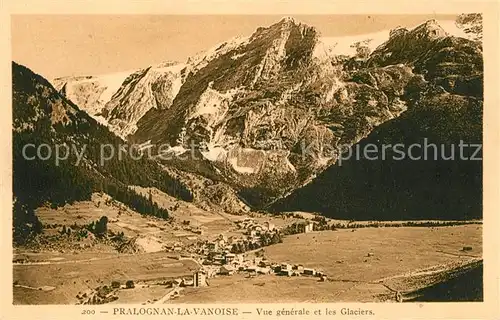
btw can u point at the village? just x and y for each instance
(195, 253)
(226, 256)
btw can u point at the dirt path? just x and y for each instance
(168, 295)
(40, 263)
(44, 288)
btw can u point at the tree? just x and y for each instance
(130, 284)
(362, 48)
(472, 24)
(234, 248)
(101, 227)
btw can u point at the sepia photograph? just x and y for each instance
(273, 158)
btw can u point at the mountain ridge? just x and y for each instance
(250, 104)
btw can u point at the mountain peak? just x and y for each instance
(288, 19)
(430, 29)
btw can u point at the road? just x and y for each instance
(168, 295)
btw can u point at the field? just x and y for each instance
(361, 264)
(71, 274)
(156, 233)
(71, 267)
(402, 259)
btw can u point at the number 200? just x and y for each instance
(88, 311)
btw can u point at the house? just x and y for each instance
(309, 272)
(219, 259)
(200, 279)
(268, 226)
(288, 273)
(238, 259)
(257, 228)
(251, 268)
(285, 267)
(226, 270)
(213, 246)
(229, 258)
(263, 270)
(309, 227)
(263, 263)
(187, 282)
(306, 227)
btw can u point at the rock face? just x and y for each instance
(439, 179)
(265, 114)
(151, 88)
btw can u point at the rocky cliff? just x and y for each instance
(438, 178)
(265, 114)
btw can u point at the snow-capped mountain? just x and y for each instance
(266, 112)
(91, 93)
(119, 100)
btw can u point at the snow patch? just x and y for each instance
(237, 168)
(176, 150)
(202, 59)
(451, 28)
(328, 47)
(214, 153)
(112, 82)
(237, 56)
(213, 104)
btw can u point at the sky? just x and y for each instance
(69, 45)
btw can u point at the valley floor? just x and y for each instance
(367, 264)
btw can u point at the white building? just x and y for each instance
(200, 279)
(269, 226)
(309, 227)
